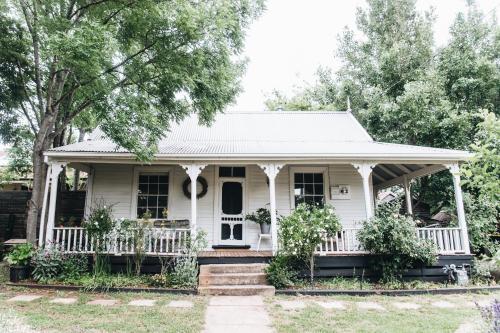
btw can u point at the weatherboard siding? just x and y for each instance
(113, 184)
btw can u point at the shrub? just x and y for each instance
(392, 238)
(302, 231)
(20, 255)
(185, 274)
(161, 280)
(281, 272)
(52, 264)
(98, 226)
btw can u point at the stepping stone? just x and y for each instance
(406, 306)
(370, 306)
(332, 305)
(237, 301)
(443, 305)
(292, 305)
(24, 298)
(142, 302)
(103, 302)
(180, 304)
(63, 300)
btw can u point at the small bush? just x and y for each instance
(161, 280)
(391, 237)
(302, 232)
(52, 264)
(185, 274)
(280, 272)
(20, 255)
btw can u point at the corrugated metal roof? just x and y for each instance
(280, 133)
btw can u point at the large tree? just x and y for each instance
(134, 65)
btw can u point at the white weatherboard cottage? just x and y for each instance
(245, 161)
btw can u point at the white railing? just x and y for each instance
(346, 241)
(446, 240)
(155, 241)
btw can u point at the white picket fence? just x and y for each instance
(156, 241)
(446, 240)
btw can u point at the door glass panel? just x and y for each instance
(238, 231)
(225, 231)
(232, 198)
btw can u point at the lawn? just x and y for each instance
(80, 317)
(314, 318)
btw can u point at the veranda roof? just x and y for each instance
(269, 135)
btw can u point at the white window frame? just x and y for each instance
(315, 169)
(135, 186)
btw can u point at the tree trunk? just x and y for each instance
(311, 264)
(42, 143)
(76, 176)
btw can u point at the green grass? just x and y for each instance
(80, 317)
(314, 318)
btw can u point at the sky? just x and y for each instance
(292, 38)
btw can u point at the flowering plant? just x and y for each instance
(302, 231)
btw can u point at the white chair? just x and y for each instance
(261, 237)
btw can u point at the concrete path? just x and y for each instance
(242, 314)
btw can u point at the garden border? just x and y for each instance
(104, 289)
(386, 292)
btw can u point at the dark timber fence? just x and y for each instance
(13, 208)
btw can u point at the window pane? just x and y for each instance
(232, 198)
(140, 212)
(142, 201)
(143, 179)
(225, 172)
(318, 178)
(299, 178)
(163, 189)
(163, 179)
(162, 200)
(143, 188)
(153, 188)
(318, 188)
(152, 201)
(239, 172)
(153, 179)
(160, 212)
(309, 189)
(308, 178)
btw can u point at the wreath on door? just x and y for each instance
(186, 187)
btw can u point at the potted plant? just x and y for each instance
(262, 217)
(18, 260)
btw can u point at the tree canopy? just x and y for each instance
(130, 66)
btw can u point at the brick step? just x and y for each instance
(242, 290)
(212, 279)
(232, 268)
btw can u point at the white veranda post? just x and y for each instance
(272, 170)
(365, 170)
(55, 170)
(407, 188)
(193, 171)
(455, 172)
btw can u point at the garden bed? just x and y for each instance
(387, 292)
(34, 285)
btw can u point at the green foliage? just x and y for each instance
(185, 274)
(304, 229)
(52, 264)
(20, 254)
(281, 272)
(261, 216)
(100, 222)
(392, 239)
(161, 280)
(482, 223)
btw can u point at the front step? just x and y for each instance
(231, 290)
(232, 268)
(232, 279)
